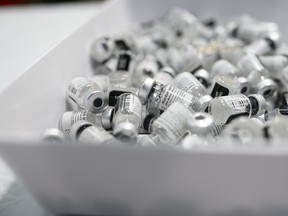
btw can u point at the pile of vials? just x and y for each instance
(181, 82)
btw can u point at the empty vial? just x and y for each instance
(275, 64)
(168, 128)
(165, 76)
(186, 58)
(115, 91)
(257, 74)
(102, 49)
(102, 81)
(162, 96)
(122, 75)
(188, 83)
(67, 120)
(225, 109)
(87, 94)
(202, 75)
(127, 118)
(53, 135)
(146, 67)
(264, 45)
(86, 132)
(223, 85)
(244, 131)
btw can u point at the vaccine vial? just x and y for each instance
(162, 96)
(67, 120)
(231, 54)
(53, 135)
(244, 132)
(71, 105)
(202, 75)
(169, 127)
(102, 49)
(165, 76)
(264, 45)
(107, 118)
(122, 75)
(257, 74)
(102, 81)
(224, 85)
(127, 118)
(277, 131)
(86, 132)
(87, 94)
(208, 55)
(185, 58)
(224, 67)
(225, 109)
(115, 91)
(275, 64)
(146, 67)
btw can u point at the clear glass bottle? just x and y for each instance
(146, 67)
(224, 85)
(244, 131)
(264, 45)
(200, 131)
(87, 94)
(162, 96)
(169, 127)
(165, 76)
(86, 132)
(275, 64)
(127, 118)
(257, 74)
(102, 81)
(53, 135)
(188, 83)
(115, 91)
(122, 75)
(102, 49)
(225, 109)
(67, 120)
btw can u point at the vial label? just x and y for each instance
(185, 83)
(75, 85)
(237, 102)
(219, 90)
(131, 104)
(70, 118)
(171, 125)
(172, 94)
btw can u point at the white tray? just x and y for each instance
(87, 179)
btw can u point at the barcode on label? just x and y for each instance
(72, 89)
(240, 103)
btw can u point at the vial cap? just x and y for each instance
(168, 70)
(145, 89)
(53, 135)
(126, 132)
(202, 103)
(96, 101)
(203, 76)
(107, 116)
(258, 103)
(200, 123)
(266, 87)
(273, 39)
(102, 49)
(244, 85)
(78, 128)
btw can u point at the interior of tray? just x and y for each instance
(35, 100)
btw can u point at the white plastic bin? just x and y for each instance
(88, 179)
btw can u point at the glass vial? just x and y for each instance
(122, 75)
(87, 94)
(115, 91)
(168, 128)
(225, 109)
(257, 74)
(162, 96)
(53, 135)
(86, 132)
(102, 81)
(67, 120)
(127, 118)
(165, 76)
(275, 64)
(102, 49)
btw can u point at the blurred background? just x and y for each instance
(15, 2)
